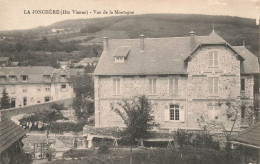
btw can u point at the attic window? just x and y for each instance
(121, 53)
(119, 59)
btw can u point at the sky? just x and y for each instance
(14, 13)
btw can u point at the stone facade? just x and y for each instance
(193, 98)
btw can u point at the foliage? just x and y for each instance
(136, 116)
(196, 140)
(89, 28)
(46, 117)
(157, 156)
(61, 127)
(103, 148)
(83, 103)
(5, 100)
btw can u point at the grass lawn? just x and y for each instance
(150, 156)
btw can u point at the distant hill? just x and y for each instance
(232, 29)
(88, 31)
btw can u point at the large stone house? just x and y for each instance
(33, 85)
(188, 80)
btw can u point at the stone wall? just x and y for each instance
(193, 95)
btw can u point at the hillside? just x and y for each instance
(81, 33)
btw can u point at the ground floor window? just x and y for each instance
(12, 102)
(213, 112)
(46, 99)
(174, 112)
(24, 101)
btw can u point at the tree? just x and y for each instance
(83, 103)
(5, 100)
(230, 118)
(137, 116)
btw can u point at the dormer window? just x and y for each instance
(46, 78)
(63, 77)
(24, 78)
(119, 59)
(213, 59)
(121, 53)
(12, 78)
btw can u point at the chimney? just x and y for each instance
(105, 44)
(141, 42)
(192, 40)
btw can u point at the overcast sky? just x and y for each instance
(12, 11)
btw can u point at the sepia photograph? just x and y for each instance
(129, 82)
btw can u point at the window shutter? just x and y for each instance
(210, 59)
(176, 86)
(210, 112)
(170, 86)
(216, 85)
(114, 86)
(182, 114)
(150, 86)
(166, 113)
(118, 86)
(210, 85)
(216, 59)
(154, 86)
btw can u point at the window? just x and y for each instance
(24, 78)
(213, 59)
(38, 100)
(12, 102)
(174, 112)
(243, 82)
(46, 78)
(213, 112)
(116, 86)
(119, 59)
(63, 87)
(47, 88)
(243, 112)
(173, 86)
(24, 90)
(152, 86)
(24, 101)
(13, 78)
(46, 99)
(2, 79)
(13, 89)
(213, 85)
(38, 88)
(63, 77)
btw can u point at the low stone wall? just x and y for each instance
(33, 108)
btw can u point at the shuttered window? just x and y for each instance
(152, 86)
(213, 112)
(116, 86)
(173, 112)
(213, 59)
(213, 85)
(173, 86)
(243, 82)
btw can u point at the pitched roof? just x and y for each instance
(250, 64)
(122, 51)
(249, 137)
(9, 133)
(4, 59)
(36, 74)
(163, 56)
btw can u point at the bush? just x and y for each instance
(72, 153)
(196, 140)
(103, 148)
(60, 127)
